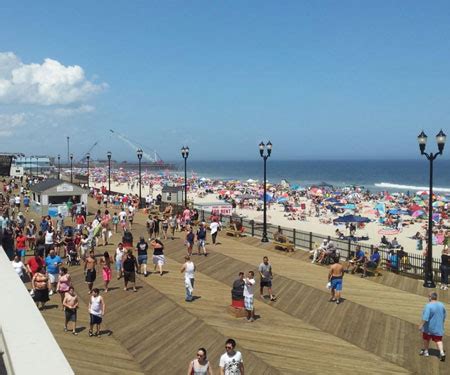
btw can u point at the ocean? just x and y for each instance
(375, 175)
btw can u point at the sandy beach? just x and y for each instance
(277, 216)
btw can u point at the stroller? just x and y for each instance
(72, 254)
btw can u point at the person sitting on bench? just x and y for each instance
(357, 261)
(392, 261)
(372, 263)
(329, 251)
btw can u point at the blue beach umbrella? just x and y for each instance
(349, 206)
(352, 219)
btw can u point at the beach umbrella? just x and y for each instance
(415, 207)
(436, 217)
(349, 206)
(351, 219)
(417, 199)
(371, 212)
(418, 213)
(422, 192)
(421, 203)
(438, 204)
(282, 199)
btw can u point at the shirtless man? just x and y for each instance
(89, 269)
(335, 278)
(70, 304)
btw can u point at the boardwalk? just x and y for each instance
(156, 331)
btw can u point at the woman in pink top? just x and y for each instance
(64, 283)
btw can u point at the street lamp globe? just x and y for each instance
(139, 153)
(269, 148)
(422, 139)
(108, 154)
(440, 139)
(261, 148)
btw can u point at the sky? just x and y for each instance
(319, 79)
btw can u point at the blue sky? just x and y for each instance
(324, 79)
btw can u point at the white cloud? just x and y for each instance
(10, 122)
(49, 83)
(68, 112)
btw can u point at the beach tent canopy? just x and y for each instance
(352, 219)
(349, 206)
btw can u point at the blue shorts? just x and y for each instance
(21, 252)
(142, 259)
(336, 284)
(248, 303)
(118, 265)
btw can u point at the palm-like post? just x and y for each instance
(88, 158)
(265, 151)
(139, 154)
(71, 168)
(440, 140)
(108, 154)
(59, 166)
(185, 155)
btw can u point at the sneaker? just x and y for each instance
(65, 329)
(338, 301)
(424, 353)
(75, 333)
(442, 357)
(91, 334)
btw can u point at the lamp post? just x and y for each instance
(265, 156)
(71, 168)
(59, 166)
(139, 153)
(440, 140)
(88, 158)
(185, 155)
(108, 154)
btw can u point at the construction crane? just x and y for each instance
(154, 159)
(83, 159)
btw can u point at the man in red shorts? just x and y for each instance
(432, 327)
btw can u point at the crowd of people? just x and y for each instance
(57, 247)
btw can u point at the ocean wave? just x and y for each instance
(388, 185)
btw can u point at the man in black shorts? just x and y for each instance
(70, 304)
(265, 271)
(129, 268)
(89, 268)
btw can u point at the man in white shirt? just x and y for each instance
(248, 296)
(214, 226)
(231, 362)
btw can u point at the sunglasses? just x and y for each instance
(228, 347)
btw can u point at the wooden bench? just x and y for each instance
(233, 232)
(287, 246)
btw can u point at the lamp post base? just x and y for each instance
(264, 238)
(429, 282)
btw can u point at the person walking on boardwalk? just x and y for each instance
(129, 268)
(201, 239)
(231, 362)
(105, 263)
(248, 296)
(89, 270)
(335, 279)
(189, 276)
(70, 305)
(118, 256)
(142, 248)
(158, 255)
(190, 238)
(265, 271)
(432, 326)
(96, 311)
(200, 365)
(215, 227)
